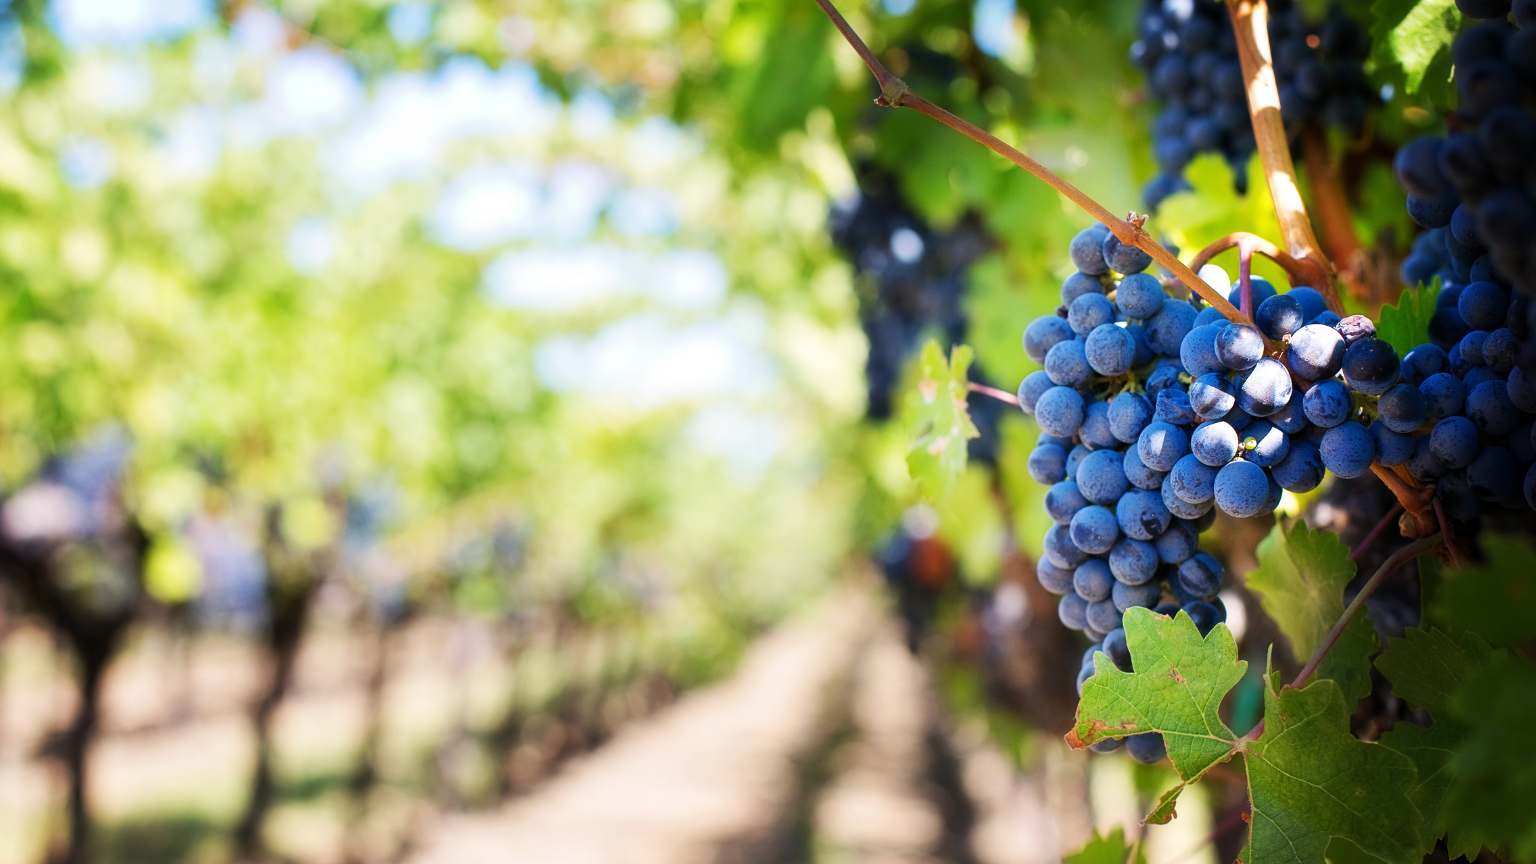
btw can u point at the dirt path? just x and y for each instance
(709, 779)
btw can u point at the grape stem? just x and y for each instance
(1445, 531)
(1250, 24)
(1387, 568)
(1255, 245)
(1339, 239)
(894, 93)
(1415, 500)
(1245, 278)
(1375, 533)
(994, 392)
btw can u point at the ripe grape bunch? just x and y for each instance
(1156, 411)
(1189, 54)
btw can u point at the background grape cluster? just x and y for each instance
(912, 281)
(1189, 54)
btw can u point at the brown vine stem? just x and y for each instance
(1375, 533)
(1415, 500)
(1250, 24)
(1397, 559)
(993, 392)
(894, 93)
(1256, 245)
(1339, 239)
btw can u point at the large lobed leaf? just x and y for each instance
(1312, 784)
(1300, 581)
(1111, 848)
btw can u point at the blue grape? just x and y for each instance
(1521, 389)
(1239, 346)
(1088, 312)
(1101, 477)
(1348, 449)
(1443, 396)
(1264, 445)
(1138, 473)
(1094, 529)
(1133, 561)
(1327, 403)
(1123, 258)
(1175, 544)
(1201, 575)
(1103, 616)
(1192, 480)
(1370, 366)
(1059, 411)
(1310, 299)
(1142, 515)
(1047, 463)
(1198, 350)
(1210, 315)
(1057, 580)
(1042, 334)
(1259, 289)
(1117, 649)
(1316, 351)
(1301, 470)
(1471, 348)
(1060, 550)
(1031, 388)
(1501, 349)
(1425, 466)
(1402, 409)
(1129, 413)
(1087, 250)
(1161, 444)
(1265, 389)
(1392, 447)
(1489, 406)
(1494, 476)
(1422, 362)
(1147, 748)
(1173, 406)
(1079, 284)
(1211, 396)
(1110, 350)
(1140, 296)
(1063, 500)
(1095, 431)
(1073, 611)
(1327, 318)
(1214, 443)
(1067, 364)
(1092, 580)
(1163, 376)
(1482, 305)
(1075, 457)
(1204, 615)
(1241, 489)
(1167, 329)
(1125, 596)
(1180, 508)
(1279, 316)
(1292, 419)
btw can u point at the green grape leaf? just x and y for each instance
(1427, 667)
(1488, 799)
(1111, 848)
(1177, 689)
(943, 422)
(1405, 325)
(1496, 598)
(1300, 581)
(1412, 39)
(1311, 782)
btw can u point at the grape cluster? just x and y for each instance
(1189, 54)
(912, 282)
(1472, 188)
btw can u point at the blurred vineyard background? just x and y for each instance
(486, 423)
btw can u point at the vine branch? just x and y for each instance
(1250, 24)
(1255, 245)
(993, 392)
(1339, 239)
(894, 93)
(1397, 559)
